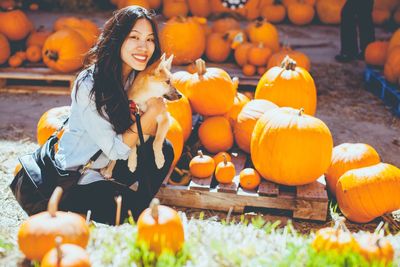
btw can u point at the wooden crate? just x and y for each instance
(308, 202)
(35, 80)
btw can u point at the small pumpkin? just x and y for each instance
(50, 121)
(199, 8)
(359, 191)
(329, 11)
(225, 171)
(273, 13)
(36, 235)
(223, 25)
(174, 8)
(249, 179)
(160, 228)
(15, 61)
(5, 50)
(218, 47)
(219, 157)
(259, 55)
(201, 166)
(300, 13)
(15, 25)
(34, 53)
(301, 59)
(215, 134)
(375, 248)
(65, 255)
(21, 54)
(249, 70)
(346, 157)
(38, 37)
(241, 53)
(380, 16)
(291, 148)
(125, 3)
(261, 31)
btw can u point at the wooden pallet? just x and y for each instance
(308, 202)
(35, 80)
(376, 83)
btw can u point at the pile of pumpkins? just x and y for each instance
(58, 238)
(386, 54)
(62, 49)
(373, 247)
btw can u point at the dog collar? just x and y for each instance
(133, 106)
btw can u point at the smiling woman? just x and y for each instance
(102, 128)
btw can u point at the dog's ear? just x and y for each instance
(168, 62)
(163, 56)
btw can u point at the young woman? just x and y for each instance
(101, 119)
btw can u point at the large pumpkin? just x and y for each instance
(180, 109)
(5, 50)
(215, 134)
(184, 38)
(394, 41)
(179, 81)
(261, 31)
(375, 53)
(247, 119)
(15, 25)
(211, 91)
(346, 157)
(233, 113)
(288, 86)
(301, 59)
(391, 69)
(300, 13)
(36, 235)
(64, 50)
(175, 136)
(366, 193)
(51, 121)
(329, 11)
(291, 148)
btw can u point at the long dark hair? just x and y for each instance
(108, 89)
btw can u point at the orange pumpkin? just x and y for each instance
(273, 13)
(218, 47)
(38, 37)
(34, 53)
(36, 235)
(177, 34)
(63, 22)
(249, 179)
(247, 119)
(301, 59)
(261, 70)
(51, 121)
(223, 25)
(21, 54)
(154, 4)
(64, 50)
(160, 228)
(391, 69)
(215, 134)
(125, 3)
(346, 157)
(394, 41)
(329, 11)
(201, 166)
(174, 8)
(15, 61)
(359, 192)
(225, 171)
(15, 25)
(233, 113)
(380, 16)
(66, 255)
(213, 84)
(249, 70)
(179, 79)
(87, 34)
(199, 8)
(220, 156)
(175, 136)
(375, 248)
(288, 86)
(260, 31)
(300, 13)
(259, 55)
(180, 109)
(5, 50)
(241, 53)
(291, 148)
(375, 53)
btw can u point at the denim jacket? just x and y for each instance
(87, 131)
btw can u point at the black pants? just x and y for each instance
(99, 196)
(356, 14)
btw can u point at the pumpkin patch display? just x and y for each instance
(346, 157)
(36, 235)
(160, 228)
(215, 134)
(51, 121)
(225, 171)
(291, 148)
(249, 179)
(201, 166)
(213, 84)
(359, 192)
(288, 86)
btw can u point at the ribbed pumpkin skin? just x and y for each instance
(177, 34)
(288, 88)
(73, 256)
(182, 112)
(291, 149)
(175, 136)
(68, 46)
(346, 157)
(366, 193)
(239, 101)
(50, 121)
(5, 50)
(15, 25)
(331, 239)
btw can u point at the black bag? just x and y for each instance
(33, 185)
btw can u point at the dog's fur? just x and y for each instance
(154, 81)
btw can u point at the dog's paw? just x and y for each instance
(159, 159)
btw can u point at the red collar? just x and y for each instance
(133, 106)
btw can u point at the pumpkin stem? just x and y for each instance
(200, 153)
(301, 111)
(288, 63)
(235, 81)
(154, 208)
(58, 240)
(181, 19)
(259, 21)
(200, 66)
(52, 55)
(225, 160)
(52, 206)
(118, 201)
(179, 171)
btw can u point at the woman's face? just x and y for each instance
(138, 46)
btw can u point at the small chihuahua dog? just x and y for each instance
(154, 81)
